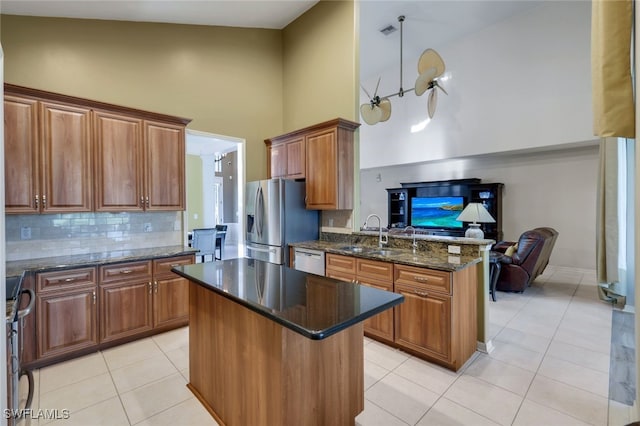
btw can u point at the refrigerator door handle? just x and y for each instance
(256, 211)
(259, 211)
(263, 250)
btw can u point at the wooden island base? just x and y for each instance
(249, 370)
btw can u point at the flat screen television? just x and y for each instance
(436, 212)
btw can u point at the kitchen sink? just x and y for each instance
(354, 249)
(383, 252)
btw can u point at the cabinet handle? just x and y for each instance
(142, 201)
(94, 297)
(126, 271)
(37, 199)
(68, 280)
(147, 201)
(420, 279)
(421, 293)
(155, 287)
(150, 287)
(175, 265)
(44, 201)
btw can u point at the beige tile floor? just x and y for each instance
(549, 367)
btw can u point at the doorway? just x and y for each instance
(215, 186)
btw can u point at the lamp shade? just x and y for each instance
(475, 212)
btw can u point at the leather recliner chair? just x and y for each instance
(528, 261)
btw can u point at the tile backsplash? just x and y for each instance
(47, 235)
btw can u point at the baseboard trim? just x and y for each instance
(486, 347)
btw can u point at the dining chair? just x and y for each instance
(204, 240)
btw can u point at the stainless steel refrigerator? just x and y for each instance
(276, 216)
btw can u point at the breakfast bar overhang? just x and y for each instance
(269, 345)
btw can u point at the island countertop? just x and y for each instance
(312, 305)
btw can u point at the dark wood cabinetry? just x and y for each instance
(66, 311)
(170, 293)
(470, 190)
(436, 321)
(67, 154)
(83, 309)
(47, 156)
(323, 155)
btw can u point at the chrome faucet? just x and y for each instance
(381, 240)
(414, 245)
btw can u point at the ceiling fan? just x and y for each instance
(430, 69)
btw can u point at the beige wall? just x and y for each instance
(228, 80)
(194, 192)
(320, 65)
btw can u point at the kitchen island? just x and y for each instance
(269, 345)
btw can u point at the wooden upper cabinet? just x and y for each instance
(164, 165)
(67, 177)
(323, 155)
(119, 163)
(67, 154)
(21, 142)
(286, 157)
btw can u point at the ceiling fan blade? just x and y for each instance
(371, 114)
(431, 59)
(441, 88)
(423, 81)
(432, 101)
(365, 91)
(385, 107)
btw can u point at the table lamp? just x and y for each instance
(475, 212)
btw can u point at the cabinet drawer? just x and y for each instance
(375, 269)
(339, 263)
(69, 278)
(163, 266)
(429, 279)
(125, 271)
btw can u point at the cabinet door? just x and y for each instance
(125, 309)
(67, 321)
(423, 321)
(21, 174)
(118, 162)
(67, 178)
(296, 159)
(380, 325)
(170, 301)
(278, 161)
(164, 178)
(322, 173)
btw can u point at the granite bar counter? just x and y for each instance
(272, 345)
(16, 267)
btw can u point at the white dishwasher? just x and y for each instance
(308, 260)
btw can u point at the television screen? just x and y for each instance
(436, 212)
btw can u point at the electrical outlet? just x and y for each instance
(25, 233)
(453, 249)
(147, 227)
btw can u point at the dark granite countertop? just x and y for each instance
(312, 305)
(16, 267)
(432, 260)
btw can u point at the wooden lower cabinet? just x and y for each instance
(125, 309)
(437, 320)
(78, 310)
(66, 312)
(371, 273)
(423, 321)
(170, 293)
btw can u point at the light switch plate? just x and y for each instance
(453, 249)
(455, 260)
